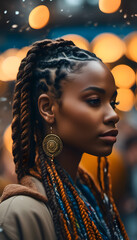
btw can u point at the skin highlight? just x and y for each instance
(86, 111)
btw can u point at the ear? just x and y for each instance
(45, 106)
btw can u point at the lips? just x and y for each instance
(113, 132)
(109, 136)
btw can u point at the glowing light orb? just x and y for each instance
(124, 76)
(78, 40)
(126, 98)
(108, 47)
(2, 75)
(22, 52)
(109, 6)
(10, 67)
(131, 43)
(10, 52)
(39, 17)
(7, 139)
(136, 99)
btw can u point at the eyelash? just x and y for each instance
(114, 103)
(97, 101)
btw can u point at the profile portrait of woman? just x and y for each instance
(63, 106)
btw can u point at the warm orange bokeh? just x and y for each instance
(117, 170)
(7, 139)
(131, 43)
(39, 17)
(124, 76)
(10, 61)
(10, 67)
(3, 77)
(109, 6)
(22, 52)
(78, 41)
(136, 99)
(108, 47)
(126, 98)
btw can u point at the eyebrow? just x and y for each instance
(98, 89)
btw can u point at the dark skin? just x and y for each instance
(86, 111)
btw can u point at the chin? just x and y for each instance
(102, 153)
(105, 153)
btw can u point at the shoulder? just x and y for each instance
(22, 205)
(20, 214)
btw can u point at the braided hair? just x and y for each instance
(47, 63)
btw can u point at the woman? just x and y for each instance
(64, 105)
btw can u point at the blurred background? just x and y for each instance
(109, 29)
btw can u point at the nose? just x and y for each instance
(110, 117)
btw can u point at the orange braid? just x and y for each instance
(64, 198)
(65, 227)
(88, 224)
(84, 214)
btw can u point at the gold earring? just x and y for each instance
(52, 145)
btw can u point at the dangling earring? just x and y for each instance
(52, 145)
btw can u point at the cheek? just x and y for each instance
(78, 122)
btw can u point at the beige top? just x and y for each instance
(24, 212)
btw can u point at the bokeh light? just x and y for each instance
(124, 76)
(136, 99)
(3, 77)
(10, 61)
(109, 6)
(131, 46)
(78, 40)
(10, 67)
(116, 166)
(126, 98)
(108, 47)
(39, 17)
(9, 64)
(74, 3)
(7, 139)
(10, 52)
(22, 52)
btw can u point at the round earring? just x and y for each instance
(52, 144)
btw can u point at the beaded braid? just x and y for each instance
(71, 221)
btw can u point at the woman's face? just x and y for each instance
(87, 111)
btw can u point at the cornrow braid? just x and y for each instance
(47, 63)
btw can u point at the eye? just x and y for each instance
(94, 101)
(114, 103)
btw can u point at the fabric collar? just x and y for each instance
(29, 186)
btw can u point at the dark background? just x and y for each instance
(85, 19)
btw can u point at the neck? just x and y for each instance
(69, 159)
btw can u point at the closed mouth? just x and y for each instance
(113, 132)
(109, 136)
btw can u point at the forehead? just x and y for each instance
(94, 73)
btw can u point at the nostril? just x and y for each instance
(111, 117)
